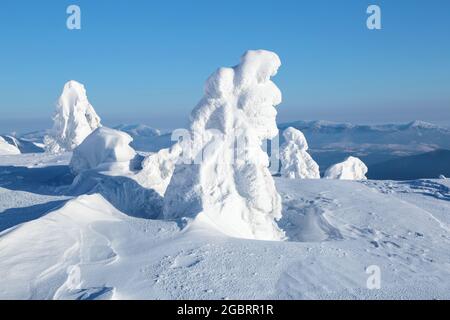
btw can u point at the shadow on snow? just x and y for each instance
(124, 193)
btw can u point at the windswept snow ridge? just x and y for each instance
(74, 120)
(350, 169)
(296, 163)
(104, 149)
(224, 180)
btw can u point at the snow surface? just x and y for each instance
(296, 163)
(55, 246)
(7, 149)
(351, 168)
(74, 120)
(223, 178)
(104, 149)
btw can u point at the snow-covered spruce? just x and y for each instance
(296, 163)
(104, 149)
(229, 187)
(74, 119)
(7, 149)
(350, 169)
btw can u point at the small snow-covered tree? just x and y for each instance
(296, 163)
(224, 180)
(350, 169)
(74, 119)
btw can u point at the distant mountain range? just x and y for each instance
(391, 151)
(415, 136)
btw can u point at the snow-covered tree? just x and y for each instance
(296, 163)
(224, 180)
(350, 169)
(74, 119)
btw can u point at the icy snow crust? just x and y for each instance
(350, 169)
(296, 163)
(223, 179)
(74, 119)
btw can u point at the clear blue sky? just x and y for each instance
(146, 61)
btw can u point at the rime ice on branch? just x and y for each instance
(74, 119)
(296, 163)
(224, 180)
(350, 169)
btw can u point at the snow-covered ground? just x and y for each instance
(57, 245)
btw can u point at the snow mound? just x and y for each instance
(296, 163)
(223, 179)
(350, 169)
(104, 149)
(7, 149)
(157, 169)
(74, 120)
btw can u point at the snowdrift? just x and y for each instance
(104, 150)
(74, 120)
(296, 163)
(223, 179)
(350, 169)
(106, 164)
